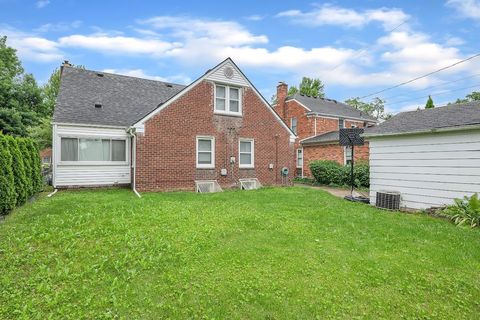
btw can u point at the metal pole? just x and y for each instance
(352, 180)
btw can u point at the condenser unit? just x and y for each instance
(388, 200)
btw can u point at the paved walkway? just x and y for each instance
(338, 192)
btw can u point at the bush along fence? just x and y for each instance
(20, 171)
(331, 173)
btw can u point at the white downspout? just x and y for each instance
(134, 161)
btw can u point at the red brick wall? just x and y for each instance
(166, 153)
(333, 152)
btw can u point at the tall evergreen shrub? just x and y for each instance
(36, 174)
(27, 161)
(18, 167)
(7, 187)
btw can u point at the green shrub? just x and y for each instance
(465, 211)
(329, 172)
(18, 167)
(27, 161)
(36, 174)
(7, 185)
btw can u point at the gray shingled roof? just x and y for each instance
(455, 115)
(332, 136)
(331, 107)
(124, 99)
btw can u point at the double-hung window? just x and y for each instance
(246, 153)
(93, 150)
(205, 152)
(227, 100)
(293, 125)
(348, 155)
(299, 158)
(341, 123)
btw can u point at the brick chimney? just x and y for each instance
(282, 91)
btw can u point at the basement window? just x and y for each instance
(227, 100)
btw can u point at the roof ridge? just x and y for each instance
(123, 75)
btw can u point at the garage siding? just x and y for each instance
(427, 169)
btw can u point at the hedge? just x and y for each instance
(329, 172)
(20, 171)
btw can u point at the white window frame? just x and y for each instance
(252, 164)
(94, 163)
(301, 165)
(345, 155)
(343, 122)
(296, 125)
(227, 100)
(206, 165)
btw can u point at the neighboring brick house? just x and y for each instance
(316, 122)
(117, 130)
(46, 156)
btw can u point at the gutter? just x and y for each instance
(434, 130)
(134, 160)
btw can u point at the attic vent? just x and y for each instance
(250, 184)
(228, 72)
(169, 85)
(388, 200)
(98, 105)
(207, 186)
(100, 74)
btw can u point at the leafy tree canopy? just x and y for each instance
(474, 96)
(375, 108)
(308, 86)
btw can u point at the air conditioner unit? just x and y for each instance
(207, 186)
(388, 200)
(250, 184)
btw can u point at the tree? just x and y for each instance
(27, 162)
(50, 92)
(429, 104)
(7, 184)
(36, 173)
(20, 97)
(42, 133)
(308, 86)
(376, 108)
(18, 167)
(474, 96)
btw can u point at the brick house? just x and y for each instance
(316, 122)
(111, 129)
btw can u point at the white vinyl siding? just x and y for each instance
(227, 100)
(427, 169)
(205, 152)
(237, 79)
(69, 172)
(246, 153)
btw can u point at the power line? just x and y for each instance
(423, 76)
(433, 95)
(435, 86)
(364, 50)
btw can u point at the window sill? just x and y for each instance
(229, 114)
(93, 163)
(206, 168)
(246, 167)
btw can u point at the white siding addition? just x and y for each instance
(428, 169)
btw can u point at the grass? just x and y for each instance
(289, 253)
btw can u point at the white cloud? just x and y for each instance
(254, 17)
(58, 27)
(219, 31)
(30, 46)
(117, 44)
(466, 8)
(139, 73)
(42, 3)
(328, 14)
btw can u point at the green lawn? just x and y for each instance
(284, 253)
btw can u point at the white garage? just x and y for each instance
(429, 157)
